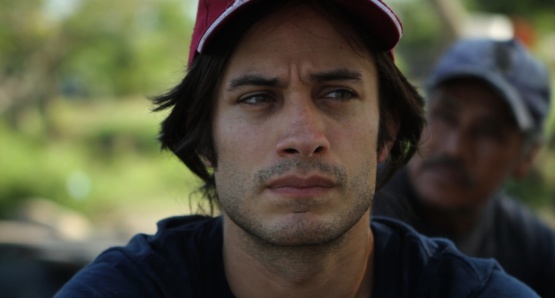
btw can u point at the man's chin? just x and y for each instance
(299, 230)
(448, 202)
(441, 189)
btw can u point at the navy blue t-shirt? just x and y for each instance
(184, 259)
(506, 231)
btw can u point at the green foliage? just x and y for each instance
(20, 37)
(68, 133)
(423, 39)
(73, 129)
(26, 170)
(528, 8)
(539, 13)
(101, 48)
(533, 190)
(126, 47)
(105, 156)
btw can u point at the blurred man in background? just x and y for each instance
(487, 103)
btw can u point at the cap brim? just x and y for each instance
(512, 97)
(376, 15)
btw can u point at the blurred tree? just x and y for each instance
(430, 26)
(528, 8)
(101, 48)
(126, 47)
(423, 37)
(532, 19)
(452, 15)
(29, 58)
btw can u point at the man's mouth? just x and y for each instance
(448, 171)
(301, 186)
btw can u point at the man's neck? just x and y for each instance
(343, 268)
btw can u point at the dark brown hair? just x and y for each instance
(187, 131)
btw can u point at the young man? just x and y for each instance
(285, 111)
(487, 103)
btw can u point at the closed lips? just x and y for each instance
(301, 182)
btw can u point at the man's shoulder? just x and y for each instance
(393, 235)
(183, 241)
(176, 238)
(422, 257)
(510, 211)
(433, 267)
(181, 257)
(189, 225)
(517, 223)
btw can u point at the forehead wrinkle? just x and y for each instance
(257, 79)
(443, 99)
(302, 67)
(253, 79)
(339, 74)
(499, 117)
(495, 112)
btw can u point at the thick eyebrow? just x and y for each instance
(340, 74)
(444, 100)
(253, 80)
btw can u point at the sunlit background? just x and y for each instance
(80, 167)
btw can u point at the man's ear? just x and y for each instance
(384, 152)
(207, 163)
(392, 127)
(523, 166)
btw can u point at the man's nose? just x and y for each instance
(455, 144)
(303, 132)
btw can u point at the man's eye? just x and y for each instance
(256, 98)
(340, 94)
(490, 132)
(443, 115)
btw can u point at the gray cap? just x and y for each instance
(508, 67)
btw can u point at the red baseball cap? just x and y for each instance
(212, 15)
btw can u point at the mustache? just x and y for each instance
(338, 174)
(453, 164)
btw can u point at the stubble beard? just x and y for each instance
(303, 231)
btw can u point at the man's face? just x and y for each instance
(471, 146)
(295, 131)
